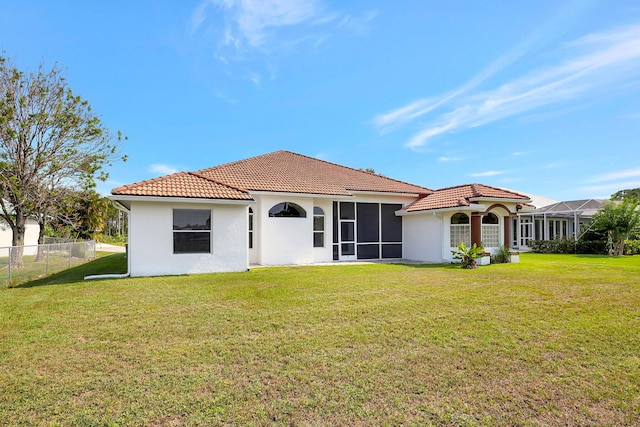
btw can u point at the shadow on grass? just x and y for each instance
(110, 264)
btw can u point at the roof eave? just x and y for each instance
(173, 199)
(498, 199)
(404, 212)
(387, 193)
(294, 194)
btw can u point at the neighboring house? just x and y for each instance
(559, 220)
(30, 237)
(284, 208)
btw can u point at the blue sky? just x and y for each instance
(538, 96)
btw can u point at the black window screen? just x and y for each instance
(391, 251)
(191, 243)
(347, 210)
(369, 251)
(192, 231)
(368, 223)
(287, 210)
(391, 224)
(335, 222)
(191, 219)
(347, 231)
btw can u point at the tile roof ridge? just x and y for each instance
(502, 189)
(355, 170)
(316, 160)
(236, 162)
(197, 174)
(476, 189)
(454, 186)
(147, 181)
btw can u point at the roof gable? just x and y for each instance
(462, 195)
(183, 184)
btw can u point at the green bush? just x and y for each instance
(632, 247)
(568, 246)
(503, 256)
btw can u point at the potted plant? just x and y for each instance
(485, 258)
(467, 256)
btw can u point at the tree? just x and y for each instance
(82, 214)
(618, 220)
(47, 134)
(626, 194)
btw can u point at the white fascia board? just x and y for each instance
(383, 193)
(308, 195)
(127, 198)
(527, 210)
(434, 211)
(498, 200)
(119, 205)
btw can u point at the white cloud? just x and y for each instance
(162, 169)
(249, 25)
(595, 63)
(488, 173)
(445, 159)
(521, 153)
(611, 176)
(611, 188)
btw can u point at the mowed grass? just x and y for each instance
(554, 340)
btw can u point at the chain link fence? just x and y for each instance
(41, 260)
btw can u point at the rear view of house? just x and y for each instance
(284, 208)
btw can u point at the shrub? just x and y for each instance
(632, 247)
(467, 256)
(503, 256)
(568, 246)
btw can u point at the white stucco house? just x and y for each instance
(32, 230)
(557, 220)
(285, 208)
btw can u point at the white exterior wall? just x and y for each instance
(30, 236)
(151, 240)
(423, 237)
(289, 241)
(284, 241)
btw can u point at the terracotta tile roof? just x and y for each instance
(183, 184)
(284, 171)
(459, 196)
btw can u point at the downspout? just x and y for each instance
(123, 275)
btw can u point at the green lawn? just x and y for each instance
(554, 340)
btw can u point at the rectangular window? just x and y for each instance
(191, 231)
(368, 223)
(318, 227)
(490, 235)
(347, 210)
(391, 224)
(460, 233)
(250, 228)
(391, 251)
(368, 251)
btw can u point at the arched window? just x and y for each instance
(287, 210)
(490, 230)
(460, 230)
(318, 227)
(250, 228)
